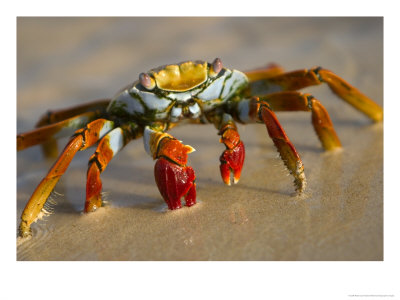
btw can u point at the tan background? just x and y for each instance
(66, 61)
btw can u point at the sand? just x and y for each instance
(63, 62)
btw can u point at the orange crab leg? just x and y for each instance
(108, 147)
(233, 157)
(307, 77)
(296, 101)
(351, 95)
(173, 177)
(60, 129)
(82, 139)
(285, 147)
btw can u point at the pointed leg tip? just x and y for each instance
(227, 180)
(333, 150)
(189, 149)
(225, 172)
(92, 204)
(174, 206)
(236, 176)
(230, 178)
(24, 230)
(189, 204)
(378, 117)
(300, 184)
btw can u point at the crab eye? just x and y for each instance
(147, 81)
(216, 67)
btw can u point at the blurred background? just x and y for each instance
(62, 62)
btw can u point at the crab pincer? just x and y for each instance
(233, 157)
(174, 179)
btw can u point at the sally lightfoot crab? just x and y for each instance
(188, 92)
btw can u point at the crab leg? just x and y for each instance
(66, 119)
(82, 139)
(303, 78)
(55, 116)
(296, 101)
(56, 130)
(270, 70)
(173, 177)
(254, 109)
(108, 147)
(285, 147)
(233, 157)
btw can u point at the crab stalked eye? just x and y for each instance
(216, 67)
(147, 81)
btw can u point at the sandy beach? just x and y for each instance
(66, 61)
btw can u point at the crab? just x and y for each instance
(188, 92)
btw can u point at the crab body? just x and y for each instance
(173, 102)
(188, 92)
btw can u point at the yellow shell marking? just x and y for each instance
(181, 77)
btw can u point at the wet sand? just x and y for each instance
(63, 62)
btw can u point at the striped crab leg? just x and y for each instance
(82, 139)
(173, 177)
(108, 147)
(57, 130)
(299, 79)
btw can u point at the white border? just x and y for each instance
(203, 280)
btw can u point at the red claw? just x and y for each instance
(174, 182)
(232, 161)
